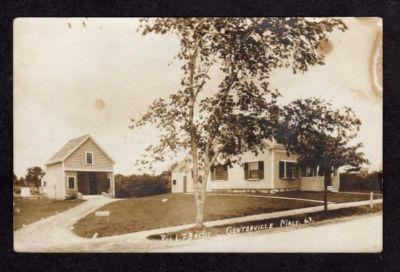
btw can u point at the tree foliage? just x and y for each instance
(34, 176)
(321, 136)
(222, 123)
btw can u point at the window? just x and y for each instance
(89, 158)
(288, 170)
(44, 183)
(308, 171)
(71, 182)
(174, 182)
(254, 170)
(219, 172)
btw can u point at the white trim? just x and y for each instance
(86, 153)
(68, 182)
(109, 183)
(273, 168)
(89, 170)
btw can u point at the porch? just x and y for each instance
(90, 182)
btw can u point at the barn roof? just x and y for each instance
(64, 152)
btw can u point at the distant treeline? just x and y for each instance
(361, 182)
(142, 185)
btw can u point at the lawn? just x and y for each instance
(27, 211)
(317, 218)
(332, 197)
(137, 214)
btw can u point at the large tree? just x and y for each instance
(322, 137)
(217, 125)
(34, 176)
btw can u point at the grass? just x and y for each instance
(138, 214)
(332, 197)
(315, 217)
(27, 211)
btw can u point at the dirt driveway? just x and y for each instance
(55, 230)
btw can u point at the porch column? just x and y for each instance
(112, 183)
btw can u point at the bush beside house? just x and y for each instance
(142, 185)
(361, 182)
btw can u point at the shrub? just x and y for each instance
(143, 185)
(361, 182)
(71, 195)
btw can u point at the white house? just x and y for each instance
(81, 165)
(272, 169)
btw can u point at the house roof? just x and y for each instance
(185, 164)
(272, 144)
(64, 152)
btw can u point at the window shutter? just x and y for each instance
(281, 169)
(297, 171)
(225, 172)
(212, 173)
(246, 168)
(261, 169)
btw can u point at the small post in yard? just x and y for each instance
(371, 198)
(102, 214)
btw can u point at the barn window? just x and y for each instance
(174, 182)
(71, 182)
(89, 158)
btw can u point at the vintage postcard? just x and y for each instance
(219, 134)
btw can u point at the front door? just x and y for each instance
(92, 184)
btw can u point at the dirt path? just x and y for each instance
(55, 230)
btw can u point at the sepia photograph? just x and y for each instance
(198, 134)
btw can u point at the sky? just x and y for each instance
(77, 76)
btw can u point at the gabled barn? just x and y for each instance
(81, 165)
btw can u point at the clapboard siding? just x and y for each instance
(312, 184)
(54, 181)
(77, 160)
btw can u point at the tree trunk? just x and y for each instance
(199, 214)
(200, 204)
(327, 178)
(197, 194)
